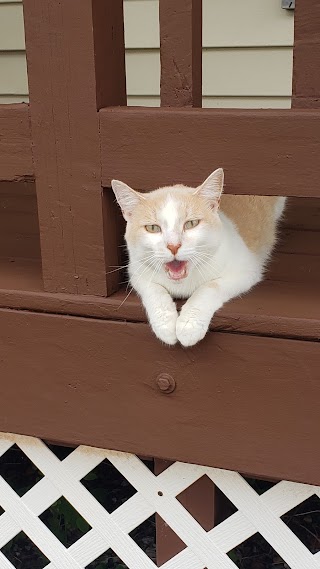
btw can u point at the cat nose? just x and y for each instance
(173, 248)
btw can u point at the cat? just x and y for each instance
(196, 244)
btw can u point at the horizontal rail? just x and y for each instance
(222, 413)
(264, 152)
(15, 143)
(272, 309)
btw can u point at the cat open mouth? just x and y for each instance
(176, 270)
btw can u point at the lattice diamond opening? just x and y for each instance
(259, 485)
(304, 521)
(203, 487)
(19, 471)
(108, 486)
(256, 553)
(108, 560)
(154, 494)
(61, 452)
(166, 534)
(65, 522)
(22, 554)
(224, 508)
(145, 537)
(149, 464)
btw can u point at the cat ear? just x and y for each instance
(212, 187)
(127, 198)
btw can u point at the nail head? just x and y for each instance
(166, 383)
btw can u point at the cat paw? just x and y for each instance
(190, 330)
(165, 329)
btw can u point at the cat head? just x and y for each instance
(177, 226)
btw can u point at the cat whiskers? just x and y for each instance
(131, 290)
(203, 261)
(116, 268)
(147, 260)
(196, 265)
(157, 269)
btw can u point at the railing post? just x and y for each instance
(199, 500)
(306, 55)
(181, 53)
(181, 86)
(75, 55)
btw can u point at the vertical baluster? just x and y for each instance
(306, 55)
(199, 500)
(181, 86)
(181, 53)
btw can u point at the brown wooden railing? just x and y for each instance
(74, 136)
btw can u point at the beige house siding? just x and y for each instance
(247, 53)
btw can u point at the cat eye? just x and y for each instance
(153, 228)
(191, 223)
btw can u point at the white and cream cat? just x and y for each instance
(192, 243)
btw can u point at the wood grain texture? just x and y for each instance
(263, 152)
(181, 53)
(79, 43)
(227, 410)
(306, 55)
(15, 143)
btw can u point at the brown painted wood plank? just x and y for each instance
(181, 53)
(306, 55)
(15, 143)
(264, 152)
(302, 214)
(21, 275)
(306, 103)
(19, 227)
(73, 49)
(303, 268)
(287, 310)
(299, 242)
(242, 403)
(181, 86)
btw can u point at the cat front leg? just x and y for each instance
(161, 311)
(196, 314)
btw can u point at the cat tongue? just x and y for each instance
(176, 269)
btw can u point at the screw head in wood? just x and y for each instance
(165, 383)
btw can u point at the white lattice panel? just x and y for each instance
(154, 494)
